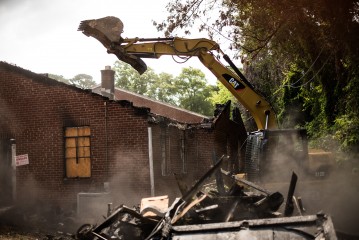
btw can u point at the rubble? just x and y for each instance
(220, 205)
(241, 209)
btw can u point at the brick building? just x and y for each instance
(79, 141)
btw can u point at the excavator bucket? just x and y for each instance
(108, 31)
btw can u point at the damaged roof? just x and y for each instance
(44, 79)
(157, 107)
(157, 111)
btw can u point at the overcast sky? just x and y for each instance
(42, 36)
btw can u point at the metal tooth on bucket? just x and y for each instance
(106, 30)
(84, 25)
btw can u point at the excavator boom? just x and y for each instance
(132, 50)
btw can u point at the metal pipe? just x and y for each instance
(237, 71)
(267, 119)
(155, 39)
(150, 157)
(183, 152)
(106, 142)
(13, 166)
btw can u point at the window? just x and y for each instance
(77, 152)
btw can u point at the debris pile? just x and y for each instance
(224, 207)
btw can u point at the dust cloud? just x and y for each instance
(126, 179)
(31, 212)
(325, 187)
(338, 196)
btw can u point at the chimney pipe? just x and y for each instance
(108, 82)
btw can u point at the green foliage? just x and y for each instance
(163, 89)
(302, 54)
(289, 102)
(313, 102)
(193, 92)
(346, 127)
(347, 132)
(59, 78)
(83, 81)
(157, 86)
(189, 90)
(128, 78)
(351, 92)
(222, 95)
(292, 99)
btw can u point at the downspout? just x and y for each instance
(107, 90)
(150, 157)
(106, 142)
(13, 166)
(183, 151)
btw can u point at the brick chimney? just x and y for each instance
(108, 82)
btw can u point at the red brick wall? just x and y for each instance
(187, 154)
(34, 110)
(202, 147)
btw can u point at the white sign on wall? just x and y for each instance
(22, 160)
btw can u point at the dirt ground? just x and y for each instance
(10, 233)
(17, 224)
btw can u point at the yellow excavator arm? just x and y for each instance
(132, 50)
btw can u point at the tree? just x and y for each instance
(128, 78)
(189, 90)
(157, 86)
(222, 95)
(163, 89)
(59, 78)
(83, 81)
(193, 91)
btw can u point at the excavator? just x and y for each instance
(262, 146)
